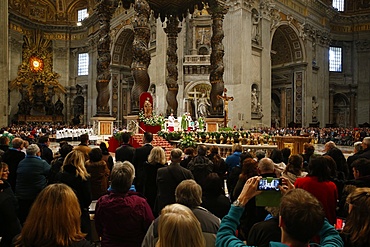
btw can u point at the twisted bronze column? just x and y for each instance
(217, 64)
(172, 31)
(141, 56)
(105, 9)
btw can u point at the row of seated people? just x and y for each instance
(124, 218)
(193, 167)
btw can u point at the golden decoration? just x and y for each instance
(37, 67)
(36, 64)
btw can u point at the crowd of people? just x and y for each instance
(199, 199)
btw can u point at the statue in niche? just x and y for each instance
(256, 17)
(59, 107)
(275, 111)
(203, 106)
(256, 106)
(277, 122)
(148, 109)
(152, 93)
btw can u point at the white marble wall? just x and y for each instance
(15, 59)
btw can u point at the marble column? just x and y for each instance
(172, 31)
(141, 55)
(218, 12)
(4, 62)
(105, 9)
(352, 113)
(331, 105)
(283, 108)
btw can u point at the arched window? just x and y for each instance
(338, 4)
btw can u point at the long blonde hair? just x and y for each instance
(54, 219)
(157, 155)
(179, 227)
(77, 159)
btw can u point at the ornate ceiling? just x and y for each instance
(59, 12)
(286, 46)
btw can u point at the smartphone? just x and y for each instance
(340, 223)
(269, 183)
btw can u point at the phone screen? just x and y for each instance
(340, 223)
(269, 184)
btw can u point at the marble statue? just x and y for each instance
(255, 105)
(203, 106)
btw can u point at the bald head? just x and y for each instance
(266, 165)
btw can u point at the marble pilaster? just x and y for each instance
(238, 47)
(4, 63)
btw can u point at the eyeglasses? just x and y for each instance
(6, 171)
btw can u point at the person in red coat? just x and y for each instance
(318, 183)
(122, 217)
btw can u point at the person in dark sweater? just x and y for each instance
(10, 225)
(125, 152)
(12, 157)
(46, 152)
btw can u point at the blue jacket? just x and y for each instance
(233, 160)
(31, 177)
(226, 234)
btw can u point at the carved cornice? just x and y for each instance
(352, 19)
(362, 45)
(26, 23)
(240, 4)
(319, 36)
(267, 8)
(80, 50)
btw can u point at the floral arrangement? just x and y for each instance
(155, 120)
(187, 141)
(174, 136)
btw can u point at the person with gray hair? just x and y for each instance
(357, 150)
(333, 151)
(189, 193)
(168, 178)
(122, 217)
(33, 149)
(366, 148)
(12, 157)
(266, 168)
(260, 154)
(32, 172)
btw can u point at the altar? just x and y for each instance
(294, 143)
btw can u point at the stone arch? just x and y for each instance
(341, 110)
(73, 7)
(122, 47)
(201, 86)
(287, 46)
(288, 64)
(203, 50)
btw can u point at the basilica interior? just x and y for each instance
(284, 62)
